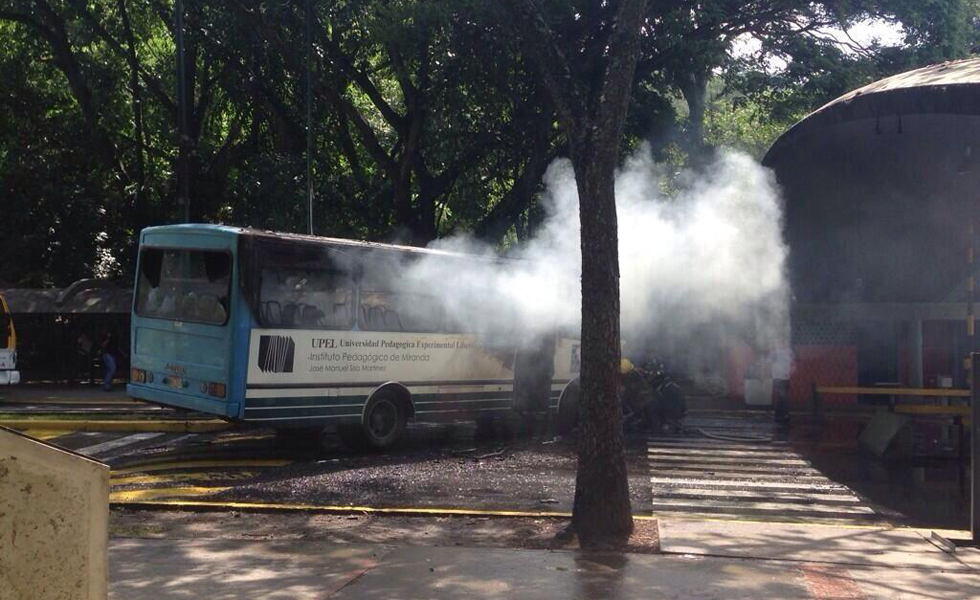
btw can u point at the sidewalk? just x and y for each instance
(701, 559)
(63, 394)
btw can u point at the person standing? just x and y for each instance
(110, 352)
(781, 365)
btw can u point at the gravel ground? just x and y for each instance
(521, 475)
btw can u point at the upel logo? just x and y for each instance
(276, 353)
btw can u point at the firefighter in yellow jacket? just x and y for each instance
(637, 397)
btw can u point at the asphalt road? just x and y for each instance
(723, 470)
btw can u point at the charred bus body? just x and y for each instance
(303, 332)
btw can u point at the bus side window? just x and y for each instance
(394, 311)
(307, 297)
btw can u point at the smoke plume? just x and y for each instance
(708, 257)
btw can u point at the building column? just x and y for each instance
(915, 353)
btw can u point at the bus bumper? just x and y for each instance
(9, 377)
(204, 405)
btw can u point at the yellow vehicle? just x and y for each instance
(9, 374)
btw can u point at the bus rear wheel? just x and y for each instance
(384, 423)
(568, 408)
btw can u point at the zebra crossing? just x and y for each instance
(152, 466)
(732, 468)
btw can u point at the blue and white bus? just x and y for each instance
(294, 331)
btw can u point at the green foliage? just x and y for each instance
(745, 125)
(427, 120)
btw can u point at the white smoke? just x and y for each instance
(709, 255)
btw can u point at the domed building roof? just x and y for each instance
(880, 186)
(946, 88)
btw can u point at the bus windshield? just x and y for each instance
(184, 285)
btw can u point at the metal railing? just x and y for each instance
(962, 416)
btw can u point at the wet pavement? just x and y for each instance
(726, 465)
(700, 560)
(913, 493)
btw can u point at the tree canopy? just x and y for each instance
(427, 116)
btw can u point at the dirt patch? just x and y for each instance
(489, 532)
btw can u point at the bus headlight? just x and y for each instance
(137, 375)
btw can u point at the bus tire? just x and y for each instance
(385, 420)
(568, 408)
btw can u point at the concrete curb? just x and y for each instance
(263, 507)
(187, 426)
(268, 507)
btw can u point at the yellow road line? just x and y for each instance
(190, 426)
(240, 438)
(45, 434)
(198, 464)
(178, 477)
(942, 392)
(154, 493)
(55, 400)
(943, 411)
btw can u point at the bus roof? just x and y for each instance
(309, 239)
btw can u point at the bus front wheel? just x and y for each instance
(384, 423)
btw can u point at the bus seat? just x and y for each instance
(341, 314)
(168, 307)
(376, 317)
(273, 313)
(210, 309)
(190, 306)
(154, 300)
(289, 315)
(311, 315)
(372, 317)
(391, 320)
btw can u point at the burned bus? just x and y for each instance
(301, 332)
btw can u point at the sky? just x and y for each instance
(888, 34)
(864, 33)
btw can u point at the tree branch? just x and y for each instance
(618, 82)
(151, 83)
(56, 34)
(364, 82)
(539, 41)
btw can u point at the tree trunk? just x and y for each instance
(694, 87)
(137, 101)
(602, 502)
(602, 509)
